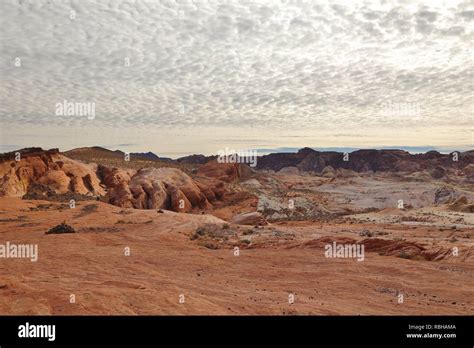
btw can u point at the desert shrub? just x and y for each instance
(366, 233)
(403, 255)
(124, 222)
(201, 231)
(62, 228)
(211, 246)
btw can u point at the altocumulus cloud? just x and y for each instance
(274, 64)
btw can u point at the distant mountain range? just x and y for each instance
(100, 152)
(411, 149)
(150, 155)
(306, 159)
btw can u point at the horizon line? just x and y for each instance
(266, 151)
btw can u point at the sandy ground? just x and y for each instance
(280, 260)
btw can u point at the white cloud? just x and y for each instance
(273, 65)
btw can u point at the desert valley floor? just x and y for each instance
(159, 261)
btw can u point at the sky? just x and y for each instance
(196, 76)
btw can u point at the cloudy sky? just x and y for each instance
(196, 76)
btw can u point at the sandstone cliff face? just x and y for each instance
(117, 182)
(46, 169)
(48, 173)
(166, 188)
(227, 172)
(156, 188)
(252, 218)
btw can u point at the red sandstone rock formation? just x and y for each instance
(227, 172)
(49, 169)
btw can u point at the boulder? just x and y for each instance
(328, 172)
(462, 205)
(227, 172)
(444, 195)
(251, 184)
(253, 218)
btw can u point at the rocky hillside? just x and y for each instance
(51, 175)
(48, 171)
(308, 159)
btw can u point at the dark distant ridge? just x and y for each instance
(308, 159)
(410, 149)
(150, 156)
(195, 159)
(97, 152)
